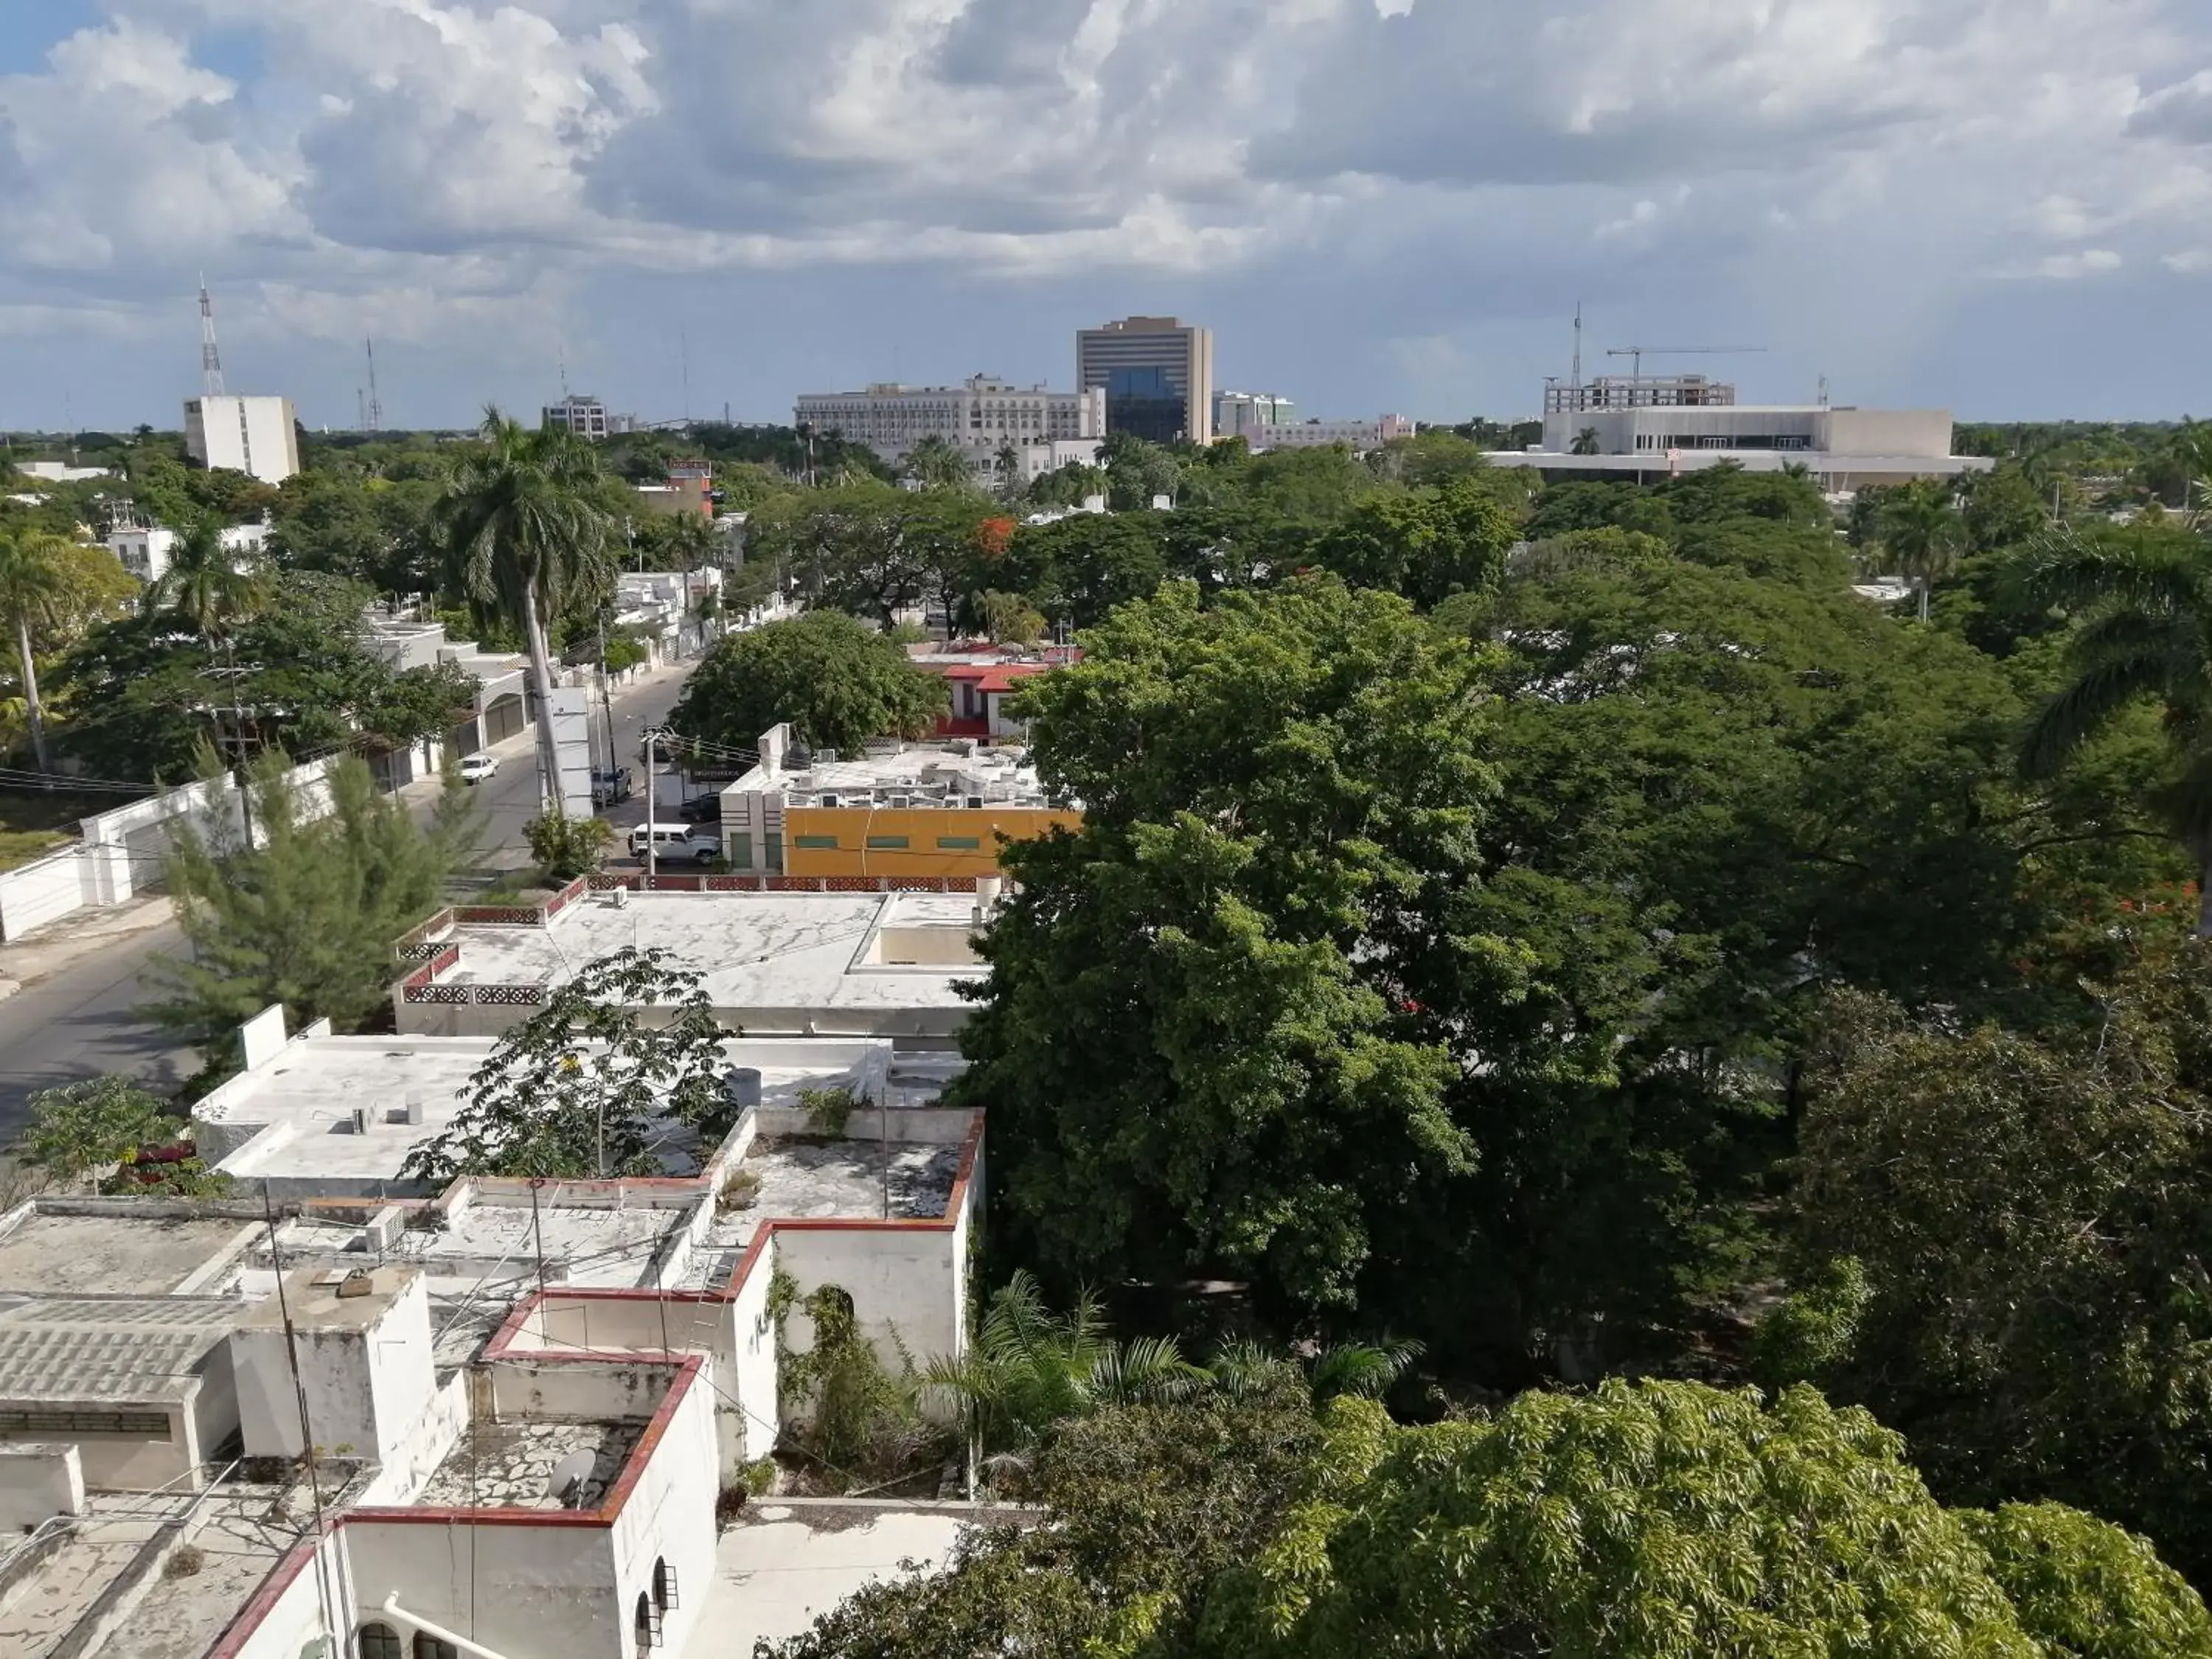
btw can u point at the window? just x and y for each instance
(819, 843)
(663, 1586)
(377, 1642)
(887, 843)
(959, 843)
(433, 1647)
(647, 1623)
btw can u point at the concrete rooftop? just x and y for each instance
(496, 1243)
(510, 1466)
(803, 1178)
(120, 1253)
(109, 1349)
(778, 958)
(783, 1565)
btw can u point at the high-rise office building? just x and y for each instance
(1158, 376)
(258, 436)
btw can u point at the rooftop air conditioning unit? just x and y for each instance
(899, 802)
(974, 803)
(828, 800)
(361, 1119)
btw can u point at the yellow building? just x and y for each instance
(921, 812)
(913, 841)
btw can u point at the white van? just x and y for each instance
(676, 843)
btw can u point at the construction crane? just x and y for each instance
(1636, 354)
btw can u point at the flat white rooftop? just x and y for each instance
(771, 961)
(124, 1248)
(496, 1244)
(291, 1122)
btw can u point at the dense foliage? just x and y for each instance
(1651, 1520)
(836, 681)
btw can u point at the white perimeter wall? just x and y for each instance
(45, 891)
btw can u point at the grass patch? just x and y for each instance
(34, 822)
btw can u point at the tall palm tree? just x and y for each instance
(1585, 443)
(2145, 598)
(936, 462)
(695, 542)
(1920, 531)
(33, 587)
(522, 533)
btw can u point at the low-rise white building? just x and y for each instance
(1843, 448)
(982, 415)
(146, 551)
(1360, 436)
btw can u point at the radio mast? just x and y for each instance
(210, 353)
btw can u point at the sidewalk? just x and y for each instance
(80, 934)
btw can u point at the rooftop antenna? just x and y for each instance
(376, 404)
(360, 410)
(210, 353)
(1576, 382)
(564, 373)
(1823, 391)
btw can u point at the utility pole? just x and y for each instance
(607, 704)
(652, 804)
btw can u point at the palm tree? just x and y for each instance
(1920, 530)
(522, 533)
(936, 462)
(694, 540)
(34, 586)
(1585, 443)
(1030, 1368)
(203, 584)
(2146, 601)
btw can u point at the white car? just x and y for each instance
(476, 768)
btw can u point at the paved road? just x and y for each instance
(82, 1019)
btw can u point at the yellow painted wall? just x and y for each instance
(922, 826)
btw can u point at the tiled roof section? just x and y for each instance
(107, 1348)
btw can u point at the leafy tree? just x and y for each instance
(526, 539)
(1076, 570)
(2028, 1221)
(307, 916)
(596, 1084)
(33, 589)
(938, 463)
(1194, 1008)
(1647, 1522)
(1137, 471)
(78, 1127)
(1427, 544)
(1009, 619)
(2002, 510)
(1429, 459)
(2142, 600)
(566, 847)
(837, 682)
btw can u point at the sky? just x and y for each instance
(2002, 206)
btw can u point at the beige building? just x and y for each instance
(1844, 449)
(1157, 374)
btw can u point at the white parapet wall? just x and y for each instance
(39, 1482)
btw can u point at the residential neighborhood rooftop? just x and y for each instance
(114, 1249)
(119, 1348)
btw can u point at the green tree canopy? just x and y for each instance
(596, 1083)
(2028, 1223)
(836, 681)
(305, 915)
(1650, 1521)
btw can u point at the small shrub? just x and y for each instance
(740, 1192)
(184, 1563)
(828, 1110)
(760, 1478)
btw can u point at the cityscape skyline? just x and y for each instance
(1373, 206)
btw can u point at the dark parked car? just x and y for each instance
(701, 808)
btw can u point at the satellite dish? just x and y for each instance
(565, 1486)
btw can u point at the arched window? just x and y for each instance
(648, 1623)
(378, 1642)
(664, 1585)
(434, 1647)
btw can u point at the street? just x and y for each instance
(80, 1019)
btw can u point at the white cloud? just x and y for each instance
(471, 165)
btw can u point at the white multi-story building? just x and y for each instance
(982, 415)
(1249, 415)
(1361, 435)
(145, 551)
(1845, 448)
(258, 436)
(587, 417)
